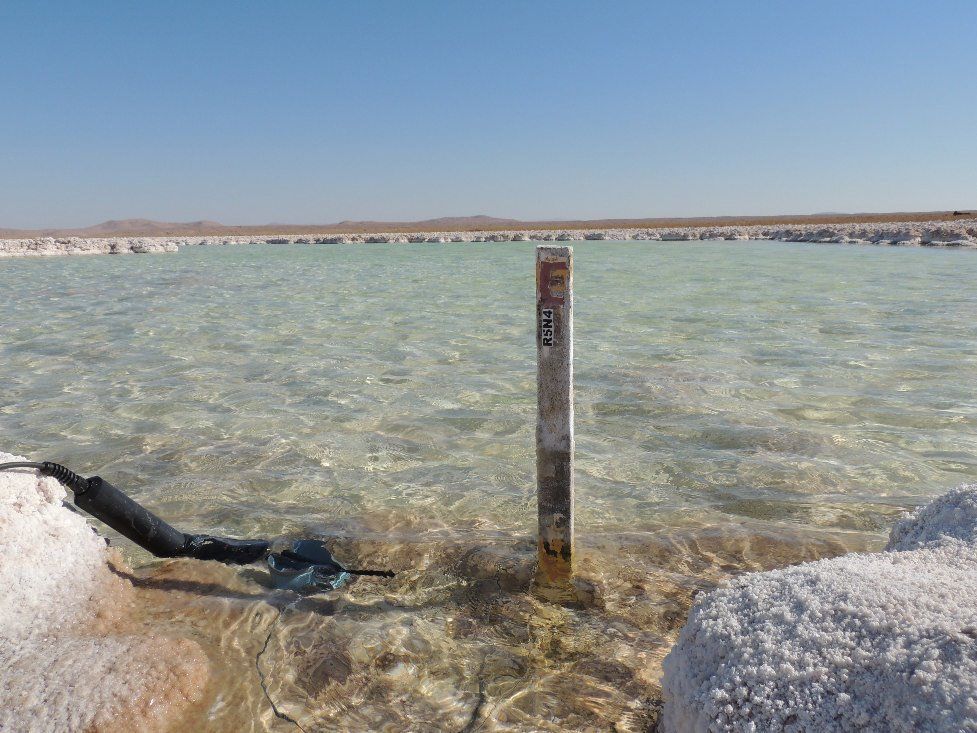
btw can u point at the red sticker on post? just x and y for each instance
(554, 279)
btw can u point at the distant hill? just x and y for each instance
(444, 223)
(151, 228)
(148, 225)
(120, 227)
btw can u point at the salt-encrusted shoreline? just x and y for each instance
(870, 642)
(72, 655)
(960, 233)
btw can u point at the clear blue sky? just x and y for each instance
(305, 112)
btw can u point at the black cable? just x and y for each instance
(105, 502)
(20, 464)
(98, 497)
(65, 476)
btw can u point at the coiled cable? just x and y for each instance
(65, 476)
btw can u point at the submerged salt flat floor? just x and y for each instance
(739, 406)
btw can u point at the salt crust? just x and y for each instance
(69, 659)
(957, 233)
(867, 642)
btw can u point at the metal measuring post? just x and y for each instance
(554, 422)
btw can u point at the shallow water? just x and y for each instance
(739, 406)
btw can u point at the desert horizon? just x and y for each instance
(140, 227)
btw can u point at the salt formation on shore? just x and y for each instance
(69, 659)
(959, 233)
(871, 642)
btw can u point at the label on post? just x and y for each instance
(546, 326)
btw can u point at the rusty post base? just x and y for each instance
(554, 574)
(554, 580)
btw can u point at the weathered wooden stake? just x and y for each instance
(554, 422)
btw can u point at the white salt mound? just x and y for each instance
(866, 642)
(952, 516)
(69, 658)
(45, 549)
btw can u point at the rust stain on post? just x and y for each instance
(554, 424)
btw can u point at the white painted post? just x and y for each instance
(554, 423)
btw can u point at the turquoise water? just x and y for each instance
(738, 405)
(257, 386)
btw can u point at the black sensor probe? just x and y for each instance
(102, 500)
